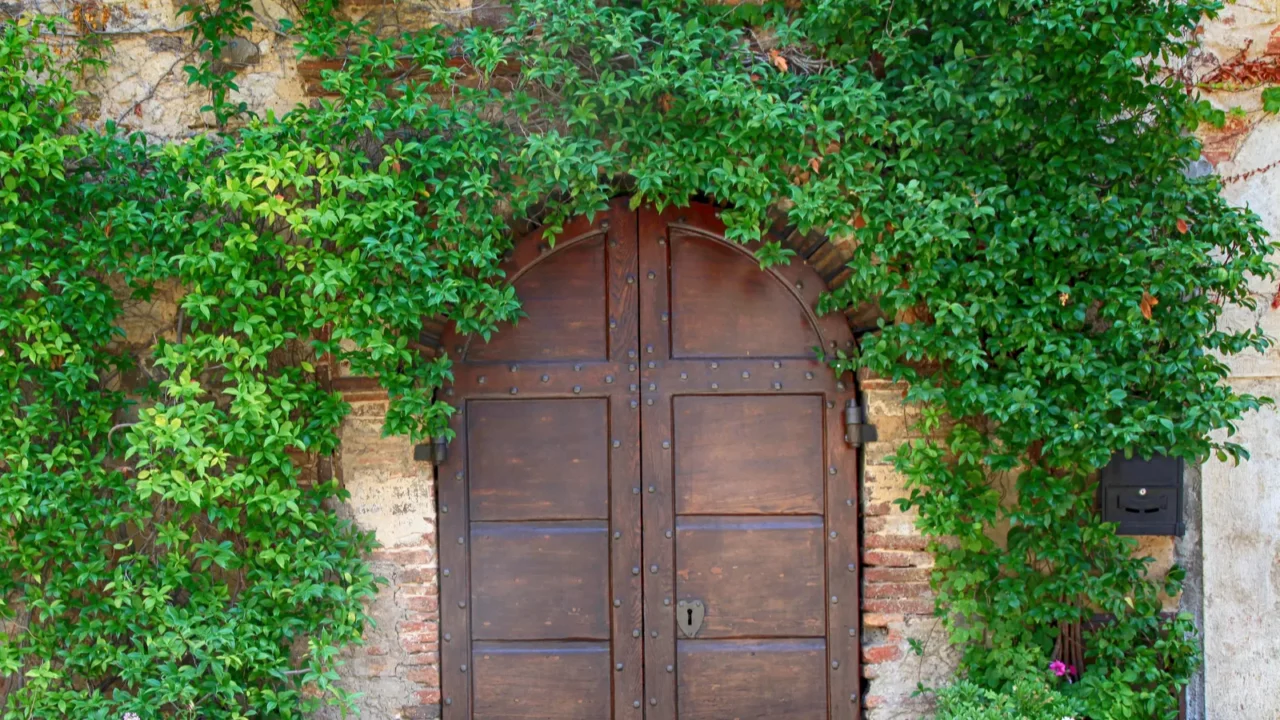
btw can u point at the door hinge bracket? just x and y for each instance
(435, 452)
(857, 431)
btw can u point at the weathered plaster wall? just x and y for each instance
(1240, 510)
(1242, 573)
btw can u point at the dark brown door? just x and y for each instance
(648, 510)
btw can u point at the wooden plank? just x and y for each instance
(656, 466)
(844, 618)
(724, 306)
(541, 459)
(455, 587)
(562, 680)
(543, 580)
(752, 679)
(625, 502)
(624, 295)
(751, 454)
(761, 576)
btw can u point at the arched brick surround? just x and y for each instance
(399, 669)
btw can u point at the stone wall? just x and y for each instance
(144, 88)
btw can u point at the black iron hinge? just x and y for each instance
(436, 452)
(857, 431)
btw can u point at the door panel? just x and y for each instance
(655, 436)
(539, 681)
(530, 468)
(753, 454)
(564, 301)
(752, 679)
(757, 576)
(536, 581)
(726, 307)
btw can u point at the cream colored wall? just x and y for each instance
(1240, 509)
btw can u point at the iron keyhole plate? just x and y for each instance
(689, 616)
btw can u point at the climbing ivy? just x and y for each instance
(1007, 173)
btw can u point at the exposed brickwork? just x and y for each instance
(398, 669)
(897, 603)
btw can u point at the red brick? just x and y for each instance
(881, 654)
(416, 589)
(424, 675)
(375, 650)
(880, 619)
(895, 542)
(420, 603)
(874, 524)
(897, 558)
(895, 574)
(420, 712)
(412, 645)
(423, 658)
(414, 575)
(896, 590)
(922, 606)
(403, 557)
(874, 701)
(428, 697)
(422, 632)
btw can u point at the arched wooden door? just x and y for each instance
(649, 510)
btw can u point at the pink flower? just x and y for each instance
(1061, 669)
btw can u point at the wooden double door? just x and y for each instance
(649, 509)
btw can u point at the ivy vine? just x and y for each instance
(1009, 174)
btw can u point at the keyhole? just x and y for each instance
(689, 622)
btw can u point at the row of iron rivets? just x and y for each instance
(714, 366)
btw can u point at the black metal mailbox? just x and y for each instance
(1144, 496)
